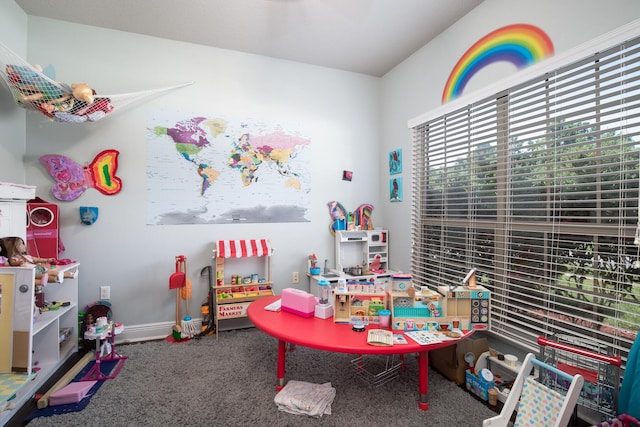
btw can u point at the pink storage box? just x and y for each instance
(71, 393)
(298, 302)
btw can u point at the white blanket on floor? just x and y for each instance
(302, 398)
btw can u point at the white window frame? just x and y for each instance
(433, 260)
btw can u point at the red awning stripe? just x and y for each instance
(243, 248)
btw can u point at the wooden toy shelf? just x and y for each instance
(226, 294)
(35, 344)
(249, 258)
(352, 306)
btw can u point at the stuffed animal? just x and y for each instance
(86, 106)
(83, 92)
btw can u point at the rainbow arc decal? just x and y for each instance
(519, 44)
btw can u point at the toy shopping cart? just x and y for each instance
(592, 360)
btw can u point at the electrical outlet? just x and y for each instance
(105, 292)
(295, 278)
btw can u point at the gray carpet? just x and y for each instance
(231, 382)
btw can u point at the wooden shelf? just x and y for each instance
(35, 338)
(246, 298)
(244, 292)
(513, 369)
(243, 285)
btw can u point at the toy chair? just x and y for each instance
(538, 404)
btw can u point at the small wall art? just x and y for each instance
(395, 161)
(72, 179)
(88, 214)
(395, 189)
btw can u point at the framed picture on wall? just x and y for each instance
(395, 189)
(395, 161)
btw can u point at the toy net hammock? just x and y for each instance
(78, 103)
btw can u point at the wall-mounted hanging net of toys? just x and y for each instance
(75, 103)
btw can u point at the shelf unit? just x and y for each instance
(356, 306)
(232, 299)
(378, 245)
(13, 209)
(40, 343)
(507, 374)
(360, 248)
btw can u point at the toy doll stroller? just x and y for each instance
(537, 403)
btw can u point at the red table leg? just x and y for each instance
(282, 353)
(423, 374)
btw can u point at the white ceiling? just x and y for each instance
(363, 36)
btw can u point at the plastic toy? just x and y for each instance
(360, 218)
(83, 92)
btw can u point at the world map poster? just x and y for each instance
(216, 169)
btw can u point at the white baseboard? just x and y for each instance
(159, 331)
(145, 332)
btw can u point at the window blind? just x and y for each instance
(536, 187)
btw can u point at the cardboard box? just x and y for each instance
(478, 385)
(449, 361)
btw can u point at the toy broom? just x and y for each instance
(177, 281)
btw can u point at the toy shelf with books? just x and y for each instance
(246, 279)
(359, 302)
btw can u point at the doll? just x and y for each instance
(15, 250)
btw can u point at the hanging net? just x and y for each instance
(75, 103)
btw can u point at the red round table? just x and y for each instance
(325, 334)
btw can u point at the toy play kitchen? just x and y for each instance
(359, 256)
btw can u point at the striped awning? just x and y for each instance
(243, 248)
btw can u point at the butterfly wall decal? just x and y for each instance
(343, 220)
(73, 179)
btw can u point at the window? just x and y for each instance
(536, 187)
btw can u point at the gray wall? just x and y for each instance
(340, 110)
(13, 33)
(354, 121)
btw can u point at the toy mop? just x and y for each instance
(190, 327)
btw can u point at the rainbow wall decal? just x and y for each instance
(519, 44)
